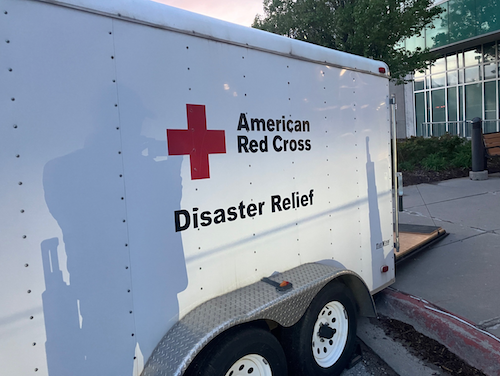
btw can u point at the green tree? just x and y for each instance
(370, 28)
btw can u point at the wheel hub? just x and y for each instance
(250, 365)
(330, 334)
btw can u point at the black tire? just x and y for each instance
(298, 340)
(235, 344)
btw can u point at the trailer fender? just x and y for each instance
(258, 301)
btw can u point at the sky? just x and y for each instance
(237, 11)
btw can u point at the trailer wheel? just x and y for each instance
(250, 351)
(323, 341)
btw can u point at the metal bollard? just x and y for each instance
(478, 169)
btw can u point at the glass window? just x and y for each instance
(461, 103)
(461, 76)
(460, 56)
(437, 35)
(439, 66)
(419, 112)
(417, 41)
(451, 62)
(490, 71)
(473, 101)
(438, 107)
(418, 83)
(452, 78)
(452, 104)
(437, 80)
(490, 100)
(473, 74)
(428, 107)
(489, 52)
(472, 56)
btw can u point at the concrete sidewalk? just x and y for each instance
(461, 273)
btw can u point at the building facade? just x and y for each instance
(464, 82)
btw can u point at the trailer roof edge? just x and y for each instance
(162, 16)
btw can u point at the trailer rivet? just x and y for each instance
(130, 312)
(126, 245)
(7, 41)
(29, 291)
(132, 334)
(124, 221)
(119, 152)
(26, 265)
(34, 343)
(36, 369)
(128, 290)
(22, 210)
(112, 57)
(17, 155)
(31, 317)
(12, 99)
(10, 69)
(126, 267)
(24, 236)
(117, 128)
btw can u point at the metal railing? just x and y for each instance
(459, 128)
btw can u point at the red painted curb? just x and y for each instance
(462, 337)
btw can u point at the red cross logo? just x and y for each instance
(196, 141)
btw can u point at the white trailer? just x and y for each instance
(156, 166)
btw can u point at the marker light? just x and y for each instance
(381, 70)
(384, 269)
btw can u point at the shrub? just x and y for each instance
(434, 154)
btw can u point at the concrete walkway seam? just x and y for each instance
(463, 338)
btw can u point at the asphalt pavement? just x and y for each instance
(450, 291)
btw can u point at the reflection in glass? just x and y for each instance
(419, 83)
(490, 100)
(461, 103)
(428, 102)
(473, 101)
(451, 62)
(452, 78)
(489, 52)
(438, 107)
(439, 66)
(460, 56)
(472, 56)
(419, 112)
(452, 104)
(473, 74)
(415, 42)
(438, 80)
(461, 76)
(490, 71)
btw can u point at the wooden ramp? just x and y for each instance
(414, 238)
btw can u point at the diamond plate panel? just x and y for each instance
(258, 301)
